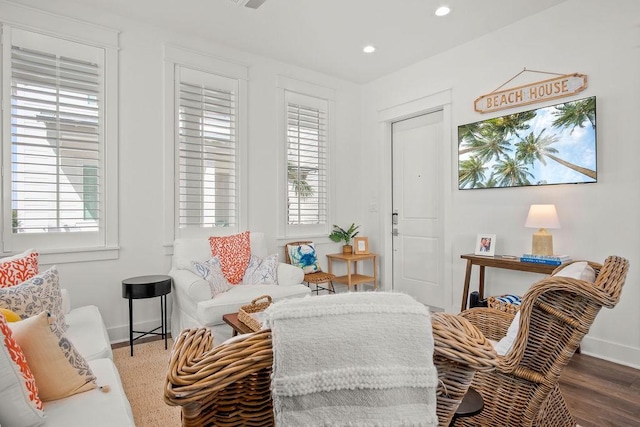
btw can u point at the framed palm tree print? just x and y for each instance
(546, 146)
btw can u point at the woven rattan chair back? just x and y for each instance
(555, 314)
(318, 278)
(229, 385)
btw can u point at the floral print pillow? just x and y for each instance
(38, 294)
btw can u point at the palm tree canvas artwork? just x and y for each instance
(549, 145)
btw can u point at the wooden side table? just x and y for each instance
(238, 327)
(498, 261)
(147, 287)
(353, 278)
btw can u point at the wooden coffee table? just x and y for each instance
(238, 327)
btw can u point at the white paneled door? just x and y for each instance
(417, 147)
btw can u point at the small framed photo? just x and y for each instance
(486, 244)
(360, 245)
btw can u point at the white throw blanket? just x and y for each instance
(354, 359)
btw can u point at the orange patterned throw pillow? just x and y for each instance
(234, 253)
(59, 369)
(18, 268)
(19, 400)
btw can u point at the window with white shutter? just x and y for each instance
(55, 137)
(207, 190)
(306, 133)
(54, 144)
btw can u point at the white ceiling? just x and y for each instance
(326, 35)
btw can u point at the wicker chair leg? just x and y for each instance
(554, 412)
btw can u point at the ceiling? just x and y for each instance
(325, 35)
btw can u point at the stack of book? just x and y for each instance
(545, 259)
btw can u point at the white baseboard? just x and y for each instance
(613, 352)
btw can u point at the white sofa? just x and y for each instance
(93, 408)
(192, 305)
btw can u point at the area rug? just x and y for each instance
(143, 378)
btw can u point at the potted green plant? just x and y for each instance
(339, 234)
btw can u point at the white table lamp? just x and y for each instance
(542, 217)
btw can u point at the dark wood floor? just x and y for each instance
(601, 393)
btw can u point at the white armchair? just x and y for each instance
(193, 306)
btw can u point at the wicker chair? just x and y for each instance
(556, 313)
(229, 385)
(316, 278)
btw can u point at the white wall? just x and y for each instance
(600, 39)
(141, 178)
(597, 38)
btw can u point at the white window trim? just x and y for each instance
(179, 56)
(288, 84)
(30, 19)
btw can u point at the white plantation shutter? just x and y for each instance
(207, 153)
(56, 135)
(306, 124)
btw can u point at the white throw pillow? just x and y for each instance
(578, 270)
(261, 271)
(211, 271)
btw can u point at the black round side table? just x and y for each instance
(472, 404)
(147, 287)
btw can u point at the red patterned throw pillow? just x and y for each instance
(234, 253)
(18, 268)
(19, 400)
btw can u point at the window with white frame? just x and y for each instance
(306, 128)
(207, 159)
(54, 142)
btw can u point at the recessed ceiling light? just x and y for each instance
(442, 11)
(369, 49)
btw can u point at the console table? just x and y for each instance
(353, 278)
(498, 261)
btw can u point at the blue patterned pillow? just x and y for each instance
(261, 271)
(38, 294)
(510, 299)
(211, 271)
(305, 257)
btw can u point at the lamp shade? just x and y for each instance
(542, 216)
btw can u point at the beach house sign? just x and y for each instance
(557, 87)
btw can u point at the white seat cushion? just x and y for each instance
(88, 334)
(93, 408)
(503, 346)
